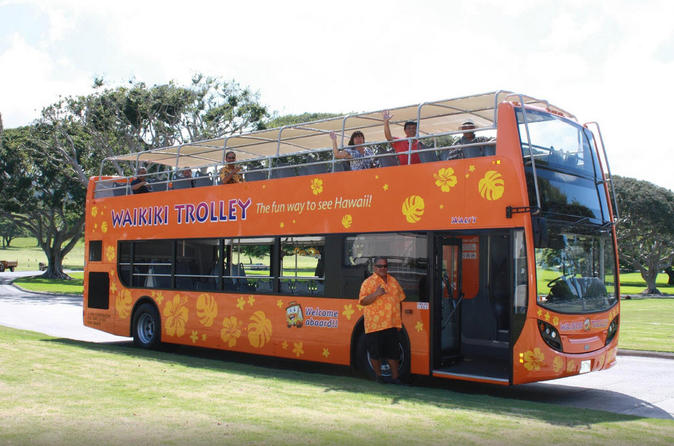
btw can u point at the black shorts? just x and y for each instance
(383, 344)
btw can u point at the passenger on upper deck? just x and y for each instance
(184, 177)
(361, 155)
(139, 185)
(469, 138)
(402, 146)
(229, 174)
(185, 173)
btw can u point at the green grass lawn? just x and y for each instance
(647, 324)
(74, 286)
(62, 392)
(26, 252)
(633, 284)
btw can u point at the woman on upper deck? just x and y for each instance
(361, 155)
(230, 172)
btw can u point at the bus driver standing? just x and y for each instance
(380, 295)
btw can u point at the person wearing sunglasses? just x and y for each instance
(229, 174)
(380, 295)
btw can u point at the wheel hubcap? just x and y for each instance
(145, 328)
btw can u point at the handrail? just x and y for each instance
(608, 168)
(171, 172)
(531, 154)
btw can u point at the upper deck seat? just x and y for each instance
(202, 180)
(313, 169)
(119, 189)
(257, 175)
(182, 183)
(388, 160)
(283, 171)
(477, 151)
(342, 166)
(428, 156)
(158, 186)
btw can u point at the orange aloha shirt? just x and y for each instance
(384, 312)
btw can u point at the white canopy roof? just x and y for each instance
(433, 117)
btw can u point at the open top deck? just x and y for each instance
(434, 118)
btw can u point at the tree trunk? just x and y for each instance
(6, 241)
(670, 272)
(650, 277)
(55, 266)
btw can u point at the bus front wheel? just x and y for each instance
(146, 326)
(365, 364)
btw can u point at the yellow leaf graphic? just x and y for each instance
(259, 329)
(207, 309)
(413, 208)
(347, 220)
(558, 364)
(492, 185)
(123, 304)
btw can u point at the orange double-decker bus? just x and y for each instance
(501, 235)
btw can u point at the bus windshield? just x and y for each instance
(568, 173)
(575, 270)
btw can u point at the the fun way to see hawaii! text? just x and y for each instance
(276, 207)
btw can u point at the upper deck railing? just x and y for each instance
(303, 149)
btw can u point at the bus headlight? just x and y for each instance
(612, 330)
(550, 335)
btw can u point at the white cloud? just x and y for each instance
(609, 61)
(31, 79)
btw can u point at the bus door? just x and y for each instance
(447, 296)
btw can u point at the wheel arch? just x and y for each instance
(358, 331)
(139, 302)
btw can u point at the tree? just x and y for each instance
(9, 231)
(670, 274)
(280, 121)
(48, 164)
(138, 117)
(646, 228)
(40, 197)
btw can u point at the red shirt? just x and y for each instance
(402, 146)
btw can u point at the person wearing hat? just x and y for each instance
(469, 138)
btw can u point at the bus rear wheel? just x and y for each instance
(146, 326)
(365, 365)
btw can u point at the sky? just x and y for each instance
(605, 61)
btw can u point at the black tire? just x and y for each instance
(11, 268)
(365, 366)
(146, 326)
(2, 268)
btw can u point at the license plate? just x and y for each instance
(585, 366)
